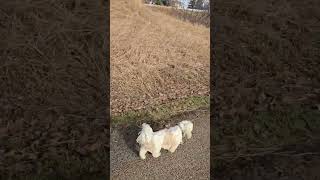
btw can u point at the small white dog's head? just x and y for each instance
(186, 127)
(145, 135)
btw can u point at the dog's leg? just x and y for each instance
(173, 148)
(189, 135)
(156, 153)
(142, 153)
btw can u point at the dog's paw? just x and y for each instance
(172, 150)
(143, 157)
(156, 155)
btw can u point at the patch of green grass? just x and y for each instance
(163, 111)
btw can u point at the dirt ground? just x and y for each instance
(266, 71)
(155, 57)
(190, 161)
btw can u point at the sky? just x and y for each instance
(185, 3)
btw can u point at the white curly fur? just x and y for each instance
(168, 138)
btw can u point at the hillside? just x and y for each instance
(155, 58)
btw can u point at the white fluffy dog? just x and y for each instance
(168, 138)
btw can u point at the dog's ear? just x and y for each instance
(143, 138)
(140, 125)
(144, 124)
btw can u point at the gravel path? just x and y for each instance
(190, 161)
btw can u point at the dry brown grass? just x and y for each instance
(53, 88)
(268, 84)
(155, 57)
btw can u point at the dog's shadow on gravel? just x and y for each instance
(130, 133)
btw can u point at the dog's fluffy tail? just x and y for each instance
(186, 127)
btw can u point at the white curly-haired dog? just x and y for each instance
(168, 138)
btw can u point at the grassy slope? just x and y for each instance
(155, 58)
